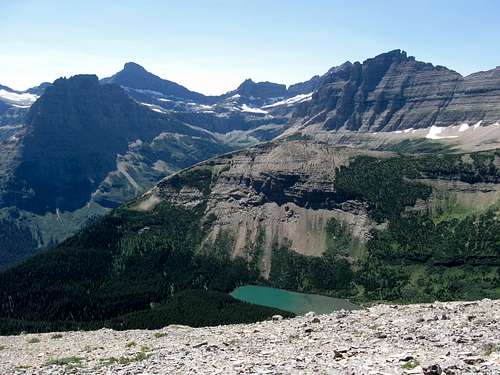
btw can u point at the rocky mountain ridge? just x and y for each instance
(81, 149)
(135, 76)
(386, 103)
(394, 91)
(288, 194)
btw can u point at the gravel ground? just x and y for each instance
(439, 338)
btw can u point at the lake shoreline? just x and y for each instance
(294, 302)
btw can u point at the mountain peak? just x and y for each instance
(132, 66)
(261, 89)
(77, 80)
(135, 76)
(394, 55)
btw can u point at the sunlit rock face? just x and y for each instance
(393, 91)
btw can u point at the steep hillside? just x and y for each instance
(81, 149)
(393, 91)
(74, 133)
(300, 215)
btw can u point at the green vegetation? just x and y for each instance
(34, 340)
(131, 344)
(382, 183)
(491, 348)
(253, 250)
(417, 146)
(56, 336)
(340, 242)
(17, 241)
(197, 177)
(148, 269)
(66, 361)
(159, 335)
(125, 360)
(411, 364)
(426, 254)
(328, 274)
(115, 269)
(217, 307)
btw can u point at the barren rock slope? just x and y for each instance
(439, 338)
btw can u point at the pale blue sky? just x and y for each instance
(211, 46)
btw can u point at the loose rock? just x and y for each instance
(371, 341)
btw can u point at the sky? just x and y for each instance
(211, 46)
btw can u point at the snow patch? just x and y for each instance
(204, 106)
(463, 127)
(10, 127)
(435, 131)
(246, 108)
(477, 124)
(24, 99)
(293, 100)
(144, 91)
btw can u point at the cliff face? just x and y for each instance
(74, 134)
(80, 149)
(269, 196)
(272, 203)
(393, 91)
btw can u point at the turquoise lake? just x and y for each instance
(298, 303)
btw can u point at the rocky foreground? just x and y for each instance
(439, 338)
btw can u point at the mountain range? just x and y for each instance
(75, 148)
(375, 180)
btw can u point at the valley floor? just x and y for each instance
(447, 338)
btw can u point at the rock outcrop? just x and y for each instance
(74, 134)
(288, 193)
(393, 91)
(80, 149)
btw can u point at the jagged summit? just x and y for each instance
(137, 77)
(132, 66)
(394, 91)
(76, 130)
(261, 89)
